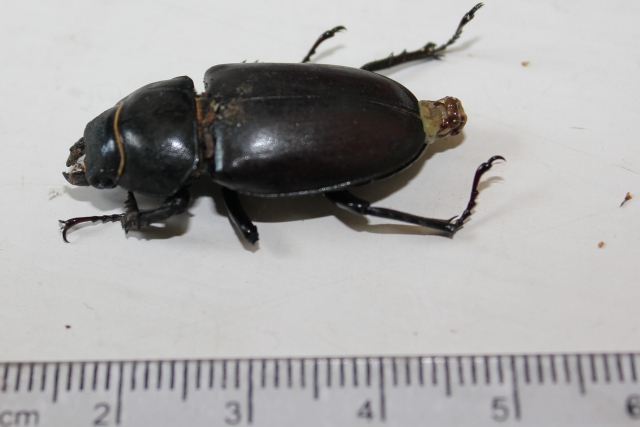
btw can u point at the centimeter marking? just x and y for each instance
(556, 389)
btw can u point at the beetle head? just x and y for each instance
(442, 118)
(95, 158)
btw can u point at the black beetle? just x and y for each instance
(267, 130)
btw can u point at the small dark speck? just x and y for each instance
(626, 199)
(525, 63)
(601, 244)
(67, 326)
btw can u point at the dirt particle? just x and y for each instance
(67, 326)
(525, 63)
(244, 89)
(233, 113)
(601, 244)
(55, 192)
(626, 199)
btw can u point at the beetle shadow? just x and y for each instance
(317, 57)
(104, 200)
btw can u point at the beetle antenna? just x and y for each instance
(79, 220)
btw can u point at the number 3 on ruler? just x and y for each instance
(234, 409)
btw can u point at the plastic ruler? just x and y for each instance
(494, 390)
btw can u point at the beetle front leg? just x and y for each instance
(428, 51)
(348, 201)
(238, 216)
(135, 219)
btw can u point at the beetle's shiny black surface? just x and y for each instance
(267, 130)
(288, 129)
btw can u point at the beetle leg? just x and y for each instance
(326, 35)
(428, 51)
(348, 201)
(238, 216)
(135, 219)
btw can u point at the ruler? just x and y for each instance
(496, 390)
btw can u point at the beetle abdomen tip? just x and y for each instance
(442, 118)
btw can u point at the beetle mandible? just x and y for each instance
(270, 130)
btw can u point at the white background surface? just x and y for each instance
(524, 275)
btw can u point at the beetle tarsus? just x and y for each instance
(67, 224)
(239, 217)
(428, 51)
(326, 35)
(458, 223)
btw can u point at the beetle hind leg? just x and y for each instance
(428, 51)
(348, 201)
